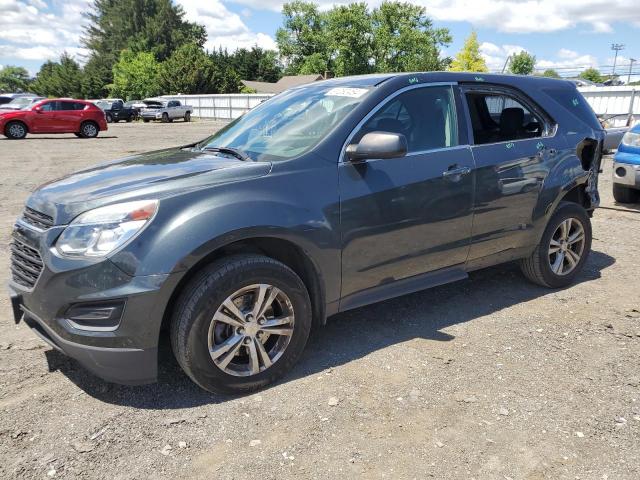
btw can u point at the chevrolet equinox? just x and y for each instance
(324, 198)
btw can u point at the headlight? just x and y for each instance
(98, 232)
(631, 139)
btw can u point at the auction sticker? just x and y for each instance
(346, 92)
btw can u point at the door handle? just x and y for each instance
(454, 172)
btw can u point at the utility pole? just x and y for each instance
(631, 62)
(616, 47)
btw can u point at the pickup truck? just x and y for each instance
(165, 110)
(118, 111)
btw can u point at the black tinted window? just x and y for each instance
(70, 106)
(498, 117)
(425, 116)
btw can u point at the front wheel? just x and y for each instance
(241, 324)
(109, 118)
(15, 130)
(563, 249)
(165, 118)
(622, 194)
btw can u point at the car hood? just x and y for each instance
(150, 175)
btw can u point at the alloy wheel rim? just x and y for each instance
(89, 130)
(16, 130)
(251, 330)
(566, 246)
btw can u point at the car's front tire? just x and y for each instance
(15, 130)
(165, 118)
(241, 324)
(563, 249)
(622, 194)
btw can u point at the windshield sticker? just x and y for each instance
(346, 92)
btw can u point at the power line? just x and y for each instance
(616, 47)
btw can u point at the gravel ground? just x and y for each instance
(488, 378)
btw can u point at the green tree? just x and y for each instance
(188, 70)
(522, 63)
(59, 79)
(550, 73)
(155, 26)
(350, 32)
(135, 76)
(302, 36)
(256, 64)
(14, 79)
(593, 75)
(404, 39)
(469, 58)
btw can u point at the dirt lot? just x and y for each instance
(489, 378)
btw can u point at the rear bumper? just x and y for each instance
(130, 366)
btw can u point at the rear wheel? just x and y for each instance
(15, 130)
(89, 130)
(623, 194)
(187, 117)
(145, 120)
(563, 249)
(241, 324)
(109, 118)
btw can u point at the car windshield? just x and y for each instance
(20, 102)
(288, 124)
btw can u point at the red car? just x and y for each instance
(82, 118)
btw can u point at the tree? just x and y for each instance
(550, 73)
(469, 58)
(188, 70)
(302, 36)
(135, 76)
(256, 64)
(593, 75)
(522, 63)
(404, 39)
(59, 79)
(155, 26)
(350, 32)
(14, 79)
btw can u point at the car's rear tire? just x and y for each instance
(165, 118)
(623, 194)
(220, 337)
(129, 120)
(145, 120)
(89, 130)
(15, 130)
(187, 117)
(563, 249)
(109, 118)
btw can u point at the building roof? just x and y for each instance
(281, 85)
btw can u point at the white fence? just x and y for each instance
(220, 106)
(621, 105)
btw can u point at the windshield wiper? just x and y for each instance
(229, 150)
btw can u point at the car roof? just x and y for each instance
(433, 77)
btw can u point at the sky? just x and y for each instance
(562, 34)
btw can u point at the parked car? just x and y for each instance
(137, 105)
(626, 168)
(8, 97)
(54, 116)
(20, 103)
(165, 110)
(117, 111)
(324, 198)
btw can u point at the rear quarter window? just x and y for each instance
(572, 100)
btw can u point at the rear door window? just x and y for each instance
(502, 117)
(66, 106)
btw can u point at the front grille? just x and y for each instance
(26, 263)
(37, 219)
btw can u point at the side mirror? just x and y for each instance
(38, 109)
(378, 145)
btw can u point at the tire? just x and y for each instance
(538, 266)
(129, 120)
(109, 118)
(145, 120)
(194, 330)
(187, 117)
(623, 194)
(77, 135)
(15, 130)
(89, 130)
(165, 117)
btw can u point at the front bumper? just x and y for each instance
(626, 174)
(151, 115)
(124, 354)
